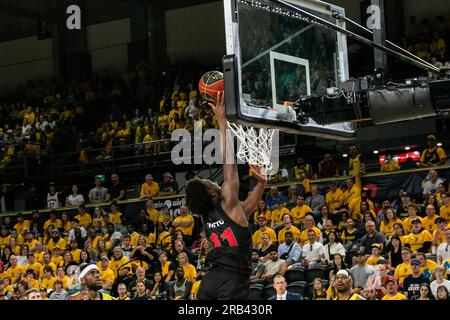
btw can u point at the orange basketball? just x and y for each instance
(210, 84)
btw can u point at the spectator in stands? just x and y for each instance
(373, 236)
(141, 292)
(328, 168)
(53, 197)
(116, 190)
(266, 246)
(361, 271)
(333, 247)
(160, 289)
(412, 28)
(431, 183)
(273, 197)
(280, 285)
(355, 206)
(289, 251)
(315, 201)
(313, 251)
(140, 276)
(413, 281)
(356, 164)
(428, 222)
(440, 281)
(84, 218)
(419, 239)
(256, 265)
(353, 189)
(392, 291)
(302, 168)
(98, 193)
(274, 265)
(288, 227)
(437, 47)
(443, 251)
(169, 186)
(434, 155)
(263, 228)
(74, 199)
(149, 188)
(309, 224)
(184, 223)
(389, 164)
(334, 200)
(299, 212)
(181, 288)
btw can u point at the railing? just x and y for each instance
(140, 203)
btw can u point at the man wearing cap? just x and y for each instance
(149, 188)
(419, 240)
(392, 289)
(263, 228)
(361, 271)
(434, 155)
(344, 286)
(91, 282)
(169, 186)
(106, 274)
(412, 283)
(56, 240)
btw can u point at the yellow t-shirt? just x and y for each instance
(277, 215)
(444, 212)
(21, 226)
(149, 190)
(165, 240)
(416, 241)
(355, 204)
(115, 217)
(334, 199)
(372, 260)
(440, 238)
(14, 272)
(57, 223)
(354, 165)
(434, 155)
(388, 228)
(428, 223)
(76, 255)
(62, 244)
(190, 273)
(85, 220)
(36, 267)
(298, 213)
(107, 275)
(114, 264)
(304, 235)
(42, 272)
(353, 193)
(48, 283)
(402, 271)
(151, 239)
(407, 225)
(258, 235)
(153, 215)
(391, 166)
(398, 296)
(428, 268)
(185, 230)
(194, 289)
(295, 232)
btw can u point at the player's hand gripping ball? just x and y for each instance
(210, 84)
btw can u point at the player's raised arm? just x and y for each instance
(253, 198)
(230, 187)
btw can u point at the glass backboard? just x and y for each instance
(275, 57)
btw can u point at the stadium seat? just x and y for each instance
(269, 291)
(258, 281)
(295, 274)
(297, 287)
(317, 271)
(256, 292)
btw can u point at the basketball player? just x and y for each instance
(226, 223)
(344, 284)
(91, 281)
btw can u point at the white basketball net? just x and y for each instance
(255, 145)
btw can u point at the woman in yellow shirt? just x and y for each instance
(189, 270)
(389, 219)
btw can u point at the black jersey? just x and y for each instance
(232, 242)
